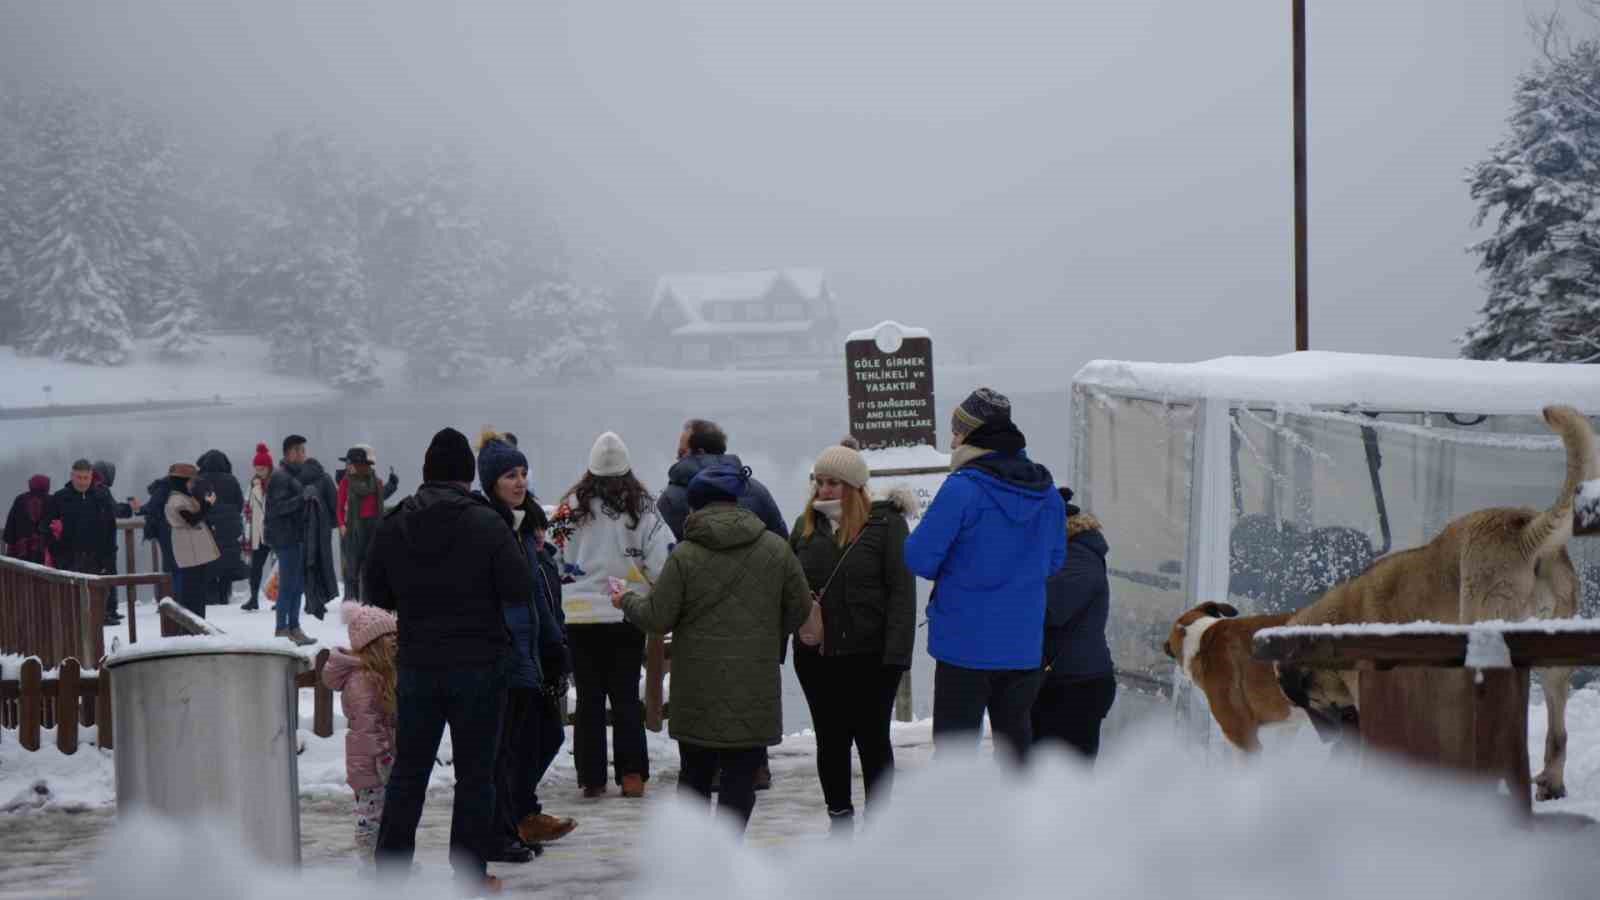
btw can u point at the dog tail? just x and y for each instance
(1550, 530)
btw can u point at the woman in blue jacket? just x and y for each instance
(531, 730)
(995, 532)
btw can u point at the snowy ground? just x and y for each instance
(231, 368)
(53, 838)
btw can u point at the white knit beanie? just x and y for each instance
(609, 456)
(844, 464)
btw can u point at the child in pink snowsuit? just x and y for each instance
(365, 677)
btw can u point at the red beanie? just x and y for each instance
(263, 456)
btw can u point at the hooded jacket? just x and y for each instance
(155, 521)
(316, 510)
(88, 529)
(1077, 606)
(674, 502)
(730, 594)
(447, 565)
(871, 604)
(995, 532)
(369, 737)
(226, 516)
(24, 534)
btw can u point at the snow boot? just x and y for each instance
(542, 828)
(592, 791)
(300, 638)
(252, 606)
(632, 786)
(842, 824)
(282, 633)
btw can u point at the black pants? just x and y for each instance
(606, 661)
(736, 769)
(353, 552)
(961, 696)
(1072, 710)
(190, 587)
(852, 701)
(531, 737)
(470, 701)
(219, 581)
(258, 567)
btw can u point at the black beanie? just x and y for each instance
(449, 458)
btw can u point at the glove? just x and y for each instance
(56, 527)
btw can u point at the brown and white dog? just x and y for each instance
(1502, 563)
(1213, 647)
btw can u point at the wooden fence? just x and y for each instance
(65, 699)
(54, 614)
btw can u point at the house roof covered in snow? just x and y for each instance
(1395, 383)
(691, 291)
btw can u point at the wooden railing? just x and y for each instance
(53, 614)
(63, 699)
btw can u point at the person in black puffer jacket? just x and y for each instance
(853, 552)
(226, 518)
(447, 564)
(1080, 685)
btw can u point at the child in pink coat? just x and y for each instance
(365, 677)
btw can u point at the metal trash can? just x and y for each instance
(206, 728)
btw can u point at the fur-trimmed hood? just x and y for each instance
(901, 499)
(1080, 523)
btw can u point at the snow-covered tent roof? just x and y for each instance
(1396, 383)
(692, 290)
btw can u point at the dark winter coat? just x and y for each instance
(322, 573)
(24, 534)
(555, 657)
(155, 522)
(871, 604)
(537, 624)
(106, 476)
(1077, 605)
(226, 516)
(674, 502)
(730, 594)
(286, 493)
(995, 532)
(88, 529)
(446, 563)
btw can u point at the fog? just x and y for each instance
(1039, 182)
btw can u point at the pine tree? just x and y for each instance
(446, 331)
(570, 329)
(1543, 181)
(166, 279)
(72, 306)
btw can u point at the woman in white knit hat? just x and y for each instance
(607, 527)
(852, 550)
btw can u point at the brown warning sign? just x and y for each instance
(890, 380)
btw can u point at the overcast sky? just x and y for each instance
(1041, 182)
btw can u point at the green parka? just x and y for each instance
(730, 594)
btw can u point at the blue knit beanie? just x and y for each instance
(718, 484)
(496, 458)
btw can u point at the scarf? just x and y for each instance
(361, 487)
(833, 509)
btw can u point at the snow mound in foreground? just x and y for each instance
(1157, 823)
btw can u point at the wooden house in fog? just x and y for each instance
(777, 317)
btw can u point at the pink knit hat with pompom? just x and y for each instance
(367, 624)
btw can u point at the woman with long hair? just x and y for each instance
(607, 527)
(852, 550)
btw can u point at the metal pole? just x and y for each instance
(1302, 275)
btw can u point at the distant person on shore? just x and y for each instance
(1080, 683)
(359, 506)
(25, 524)
(255, 520)
(226, 518)
(852, 549)
(286, 535)
(194, 547)
(730, 594)
(995, 532)
(447, 564)
(367, 678)
(702, 444)
(607, 527)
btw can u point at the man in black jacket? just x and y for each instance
(701, 445)
(286, 535)
(1080, 683)
(446, 563)
(81, 528)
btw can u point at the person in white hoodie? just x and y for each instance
(607, 527)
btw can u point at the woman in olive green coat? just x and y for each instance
(730, 594)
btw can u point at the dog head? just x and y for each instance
(1325, 696)
(1190, 626)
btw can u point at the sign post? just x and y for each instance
(889, 373)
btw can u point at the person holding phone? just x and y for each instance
(193, 545)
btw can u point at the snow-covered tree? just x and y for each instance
(1542, 184)
(569, 330)
(71, 268)
(444, 338)
(13, 237)
(165, 279)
